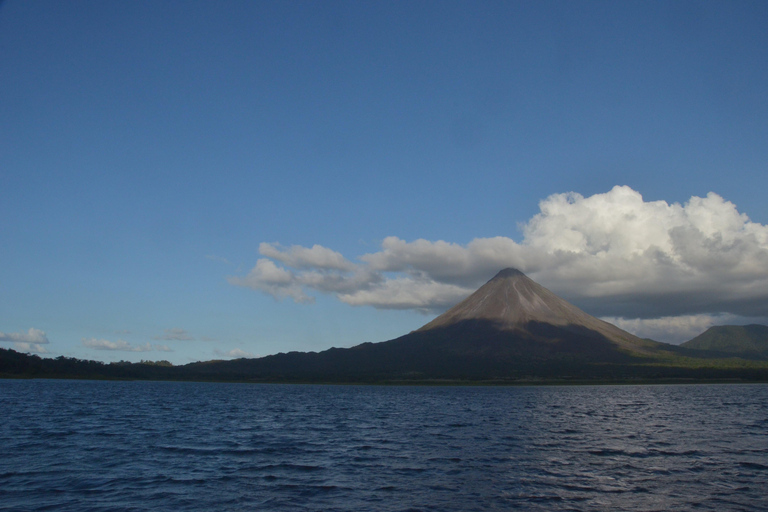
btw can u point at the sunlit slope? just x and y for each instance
(514, 304)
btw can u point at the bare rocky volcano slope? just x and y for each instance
(513, 302)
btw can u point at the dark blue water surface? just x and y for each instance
(79, 445)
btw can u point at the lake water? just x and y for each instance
(110, 446)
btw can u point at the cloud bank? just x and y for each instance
(672, 329)
(121, 345)
(31, 341)
(35, 336)
(30, 348)
(613, 254)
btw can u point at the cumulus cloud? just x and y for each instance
(175, 335)
(273, 280)
(30, 348)
(296, 256)
(121, 345)
(32, 336)
(615, 242)
(406, 293)
(234, 353)
(613, 254)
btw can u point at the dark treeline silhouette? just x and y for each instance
(372, 365)
(16, 364)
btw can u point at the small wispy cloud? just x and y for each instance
(234, 353)
(35, 336)
(678, 329)
(669, 329)
(122, 345)
(176, 334)
(316, 257)
(102, 344)
(219, 259)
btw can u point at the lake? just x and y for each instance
(135, 446)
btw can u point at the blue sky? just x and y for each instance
(199, 180)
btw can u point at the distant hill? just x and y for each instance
(738, 340)
(510, 330)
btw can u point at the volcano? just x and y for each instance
(516, 306)
(510, 328)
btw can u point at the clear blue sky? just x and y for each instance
(149, 152)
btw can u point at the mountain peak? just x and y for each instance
(508, 272)
(511, 301)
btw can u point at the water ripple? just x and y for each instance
(140, 446)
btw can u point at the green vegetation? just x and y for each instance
(736, 340)
(344, 366)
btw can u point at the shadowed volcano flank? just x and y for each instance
(511, 301)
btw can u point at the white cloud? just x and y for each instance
(614, 254)
(102, 344)
(31, 348)
(296, 256)
(404, 293)
(234, 353)
(121, 345)
(670, 329)
(175, 335)
(677, 329)
(35, 336)
(277, 282)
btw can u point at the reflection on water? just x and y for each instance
(75, 445)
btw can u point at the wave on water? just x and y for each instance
(105, 446)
